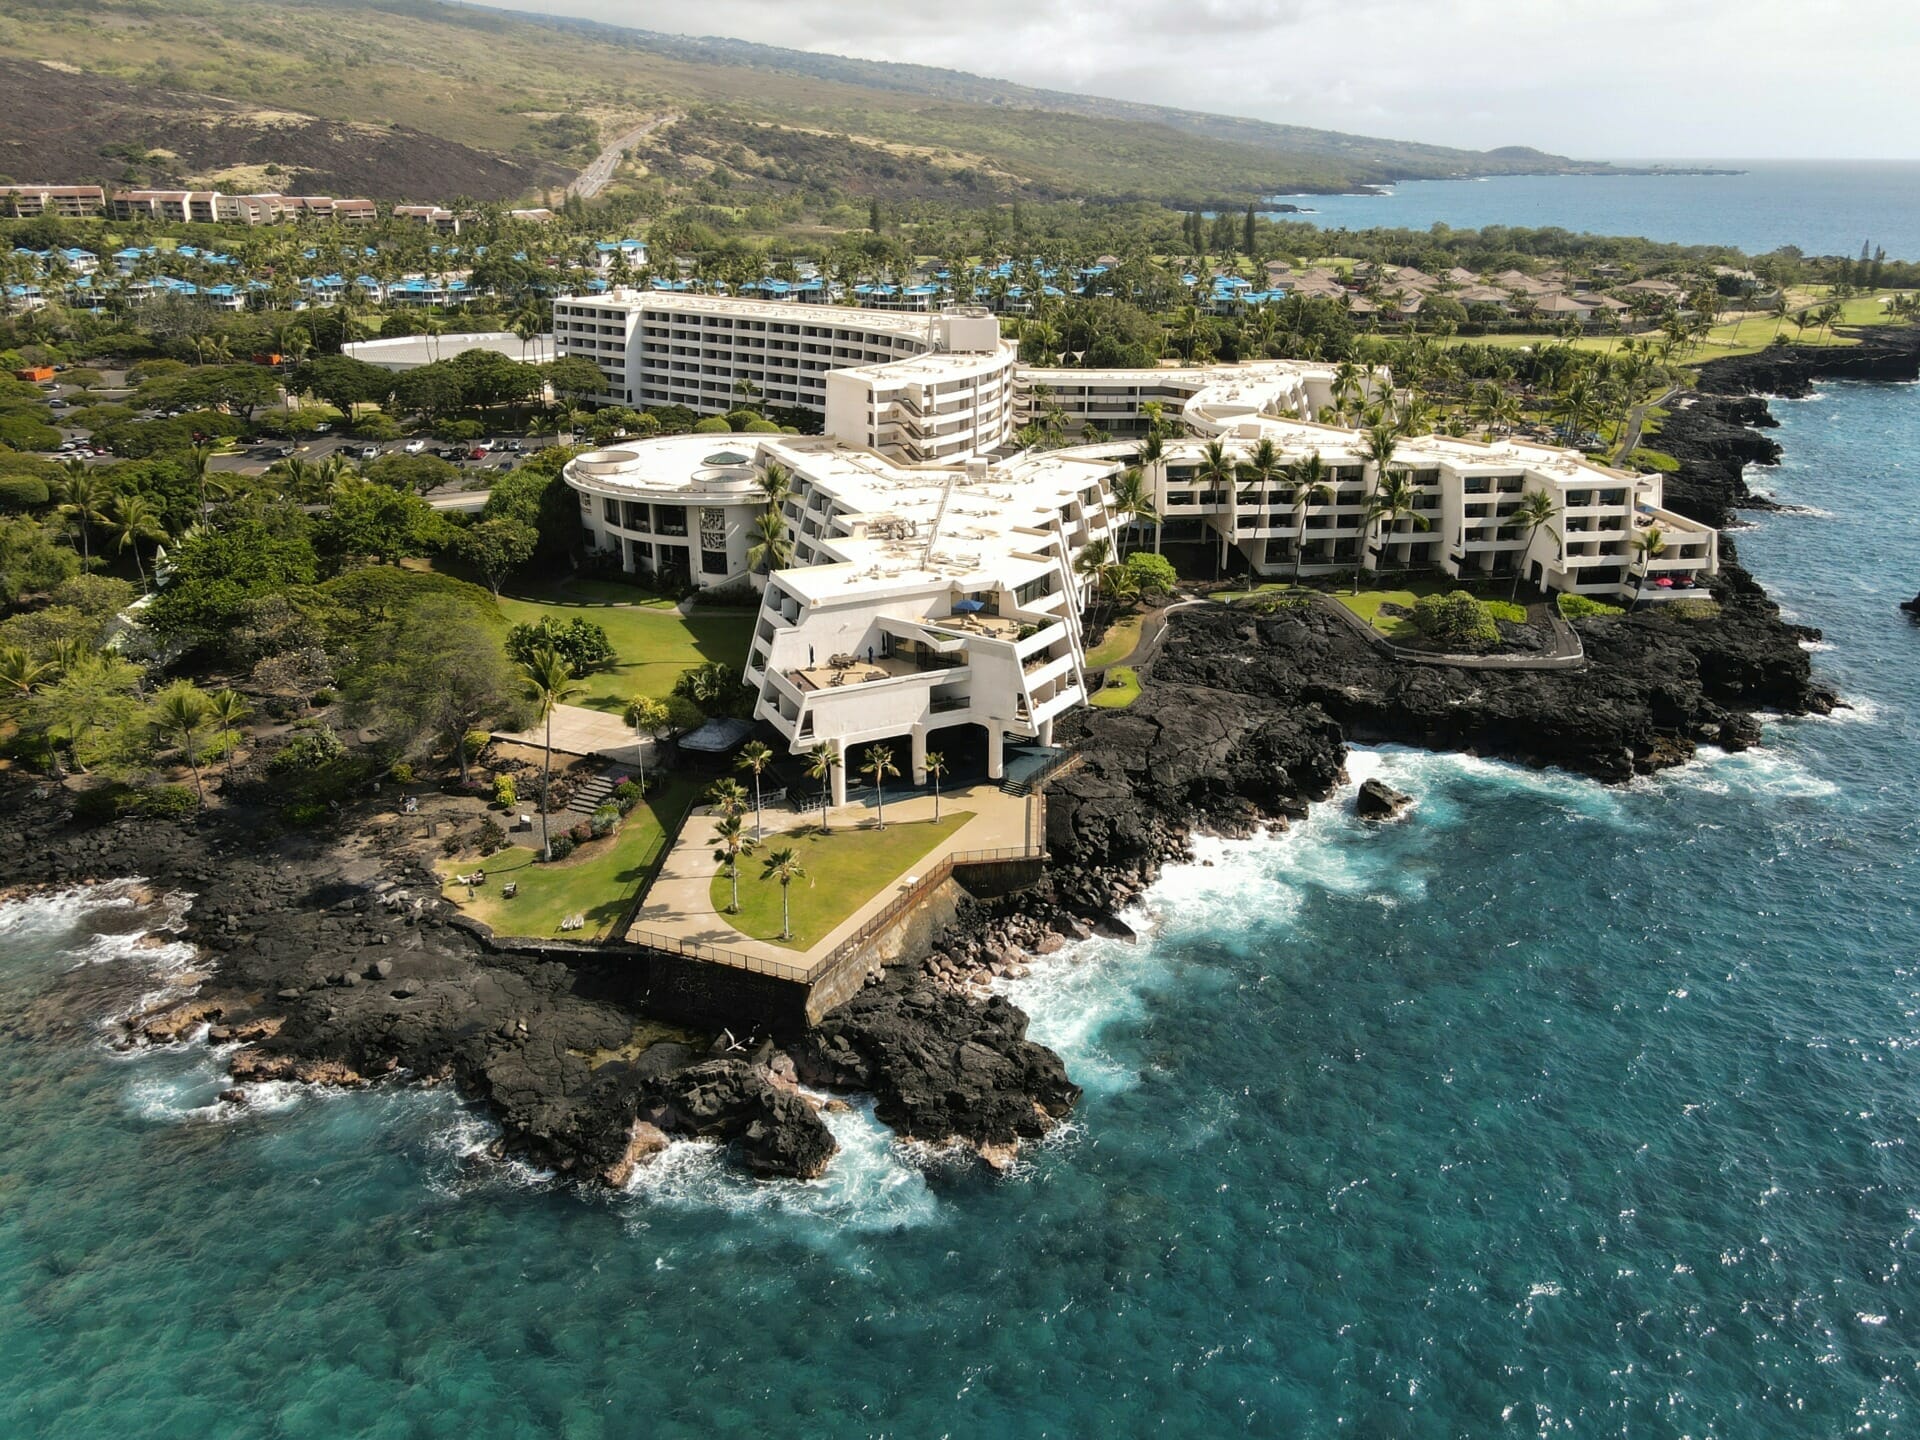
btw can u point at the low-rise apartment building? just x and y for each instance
(71, 202)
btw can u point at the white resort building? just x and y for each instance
(920, 387)
(931, 579)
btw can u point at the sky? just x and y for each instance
(1596, 79)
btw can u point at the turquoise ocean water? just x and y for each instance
(1825, 208)
(1557, 1110)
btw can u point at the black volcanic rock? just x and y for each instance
(1377, 800)
(940, 1064)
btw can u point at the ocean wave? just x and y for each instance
(873, 1184)
(1764, 771)
(190, 1095)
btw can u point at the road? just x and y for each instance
(592, 180)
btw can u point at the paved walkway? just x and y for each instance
(580, 731)
(679, 907)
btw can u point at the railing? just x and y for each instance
(849, 948)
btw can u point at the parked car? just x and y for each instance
(369, 452)
(414, 447)
(284, 452)
(321, 427)
(479, 452)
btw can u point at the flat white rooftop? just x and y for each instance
(410, 352)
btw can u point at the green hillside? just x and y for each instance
(546, 92)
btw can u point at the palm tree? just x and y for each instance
(784, 865)
(822, 761)
(547, 680)
(755, 757)
(1534, 512)
(1392, 503)
(1304, 482)
(1648, 545)
(81, 496)
(198, 458)
(1381, 443)
(776, 481)
(230, 710)
(1151, 460)
(732, 842)
(1259, 470)
(936, 767)
(181, 713)
(131, 520)
(649, 717)
(727, 796)
(877, 764)
(21, 674)
(1132, 501)
(1096, 565)
(771, 548)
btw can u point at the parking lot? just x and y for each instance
(479, 461)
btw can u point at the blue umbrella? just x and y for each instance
(968, 607)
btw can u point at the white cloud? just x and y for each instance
(1605, 79)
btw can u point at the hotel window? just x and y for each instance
(611, 509)
(713, 562)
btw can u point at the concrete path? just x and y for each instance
(580, 731)
(595, 178)
(679, 907)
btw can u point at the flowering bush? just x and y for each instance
(581, 833)
(605, 821)
(504, 794)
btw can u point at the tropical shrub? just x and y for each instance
(1456, 622)
(1507, 610)
(580, 642)
(504, 793)
(581, 832)
(1694, 607)
(400, 772)
(626, 795)
(561, 845)
(604, 821)
(305, 813)
(492, 836)
(308, 750)
(1582, 607)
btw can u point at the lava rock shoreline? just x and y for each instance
(1244, 719)
(333, 960)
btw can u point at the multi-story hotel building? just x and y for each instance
(919, 388)
(932, 577)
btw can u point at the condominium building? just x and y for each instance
(919, 388)
(917, 598)
(72, 202)
(929, 572)
(176, 206)
(435, 216)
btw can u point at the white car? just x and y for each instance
(415, 447)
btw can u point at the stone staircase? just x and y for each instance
(590, 794)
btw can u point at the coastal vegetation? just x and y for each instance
(597, 881)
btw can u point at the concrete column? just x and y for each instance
(840, 774)
(996, 752)
(1046, 732)
(918, 738)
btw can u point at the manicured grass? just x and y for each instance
(1121, 690)
(1117, 644)
(596, 881)
(653, 640)
(1395, 627)
(845, 869)
(1645, 459)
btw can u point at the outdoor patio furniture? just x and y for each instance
(509, 890)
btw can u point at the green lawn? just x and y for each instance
(1121, 690)
(653, 640)
(1117, 644)
(845, 869)
(597, 881)
(1395, 627)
